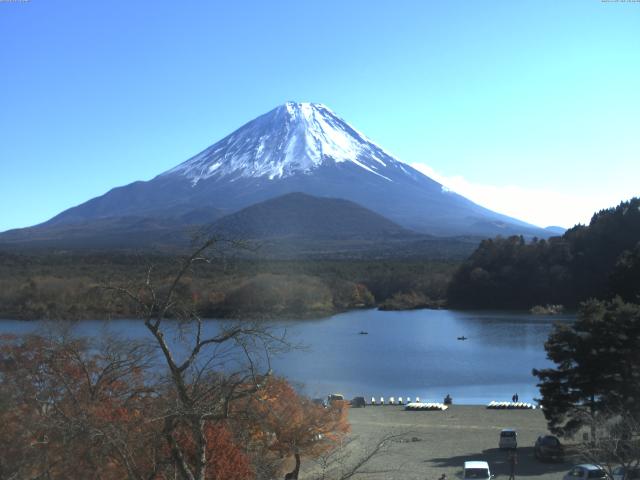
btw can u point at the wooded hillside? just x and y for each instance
(600, 260)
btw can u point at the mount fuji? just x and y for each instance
(296, 147)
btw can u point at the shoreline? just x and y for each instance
(439, 442)
(298, 316)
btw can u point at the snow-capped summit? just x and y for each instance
(292, 138)
(296, 147)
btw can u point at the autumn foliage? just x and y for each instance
(74, 409)
(226, 458)
(294, 422)
(65, 409)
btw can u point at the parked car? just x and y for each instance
(632, 474)
(476, 471)
(548, 447)
(334, 397)
(585, 471)
(358, 402)
(508, 438)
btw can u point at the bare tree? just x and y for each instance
(617, 441)
(342, 463)
(74, 405)
(196, 401)
(205, 374)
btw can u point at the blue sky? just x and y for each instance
(528, 107)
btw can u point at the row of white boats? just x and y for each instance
(418, 405)
(410, 405)
(426, 406)
(393, 401)
(511, 405)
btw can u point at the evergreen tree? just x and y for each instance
(597, 367)
(601, 260)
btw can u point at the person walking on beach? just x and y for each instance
(513, 461)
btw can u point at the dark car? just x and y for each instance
(358, 402)
(548, 447)
(632, 474)
(586, 471)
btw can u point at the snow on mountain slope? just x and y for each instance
(296, 147)
(293, 138)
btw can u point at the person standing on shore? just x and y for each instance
(513, 461)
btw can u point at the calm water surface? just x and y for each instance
(411, 353)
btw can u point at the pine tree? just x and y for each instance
(597, 367)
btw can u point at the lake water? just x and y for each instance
(408, 354)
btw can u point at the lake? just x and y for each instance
(409, 353)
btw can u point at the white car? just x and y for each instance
(476, 471)
(585, 471)
(508, 438)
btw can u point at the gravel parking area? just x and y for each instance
(436, 442)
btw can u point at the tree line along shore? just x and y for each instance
(74, 286)
(600, 260)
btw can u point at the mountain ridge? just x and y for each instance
(296, 147)
(300, 215)
(292, 226)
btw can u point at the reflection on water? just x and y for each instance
(411, 353)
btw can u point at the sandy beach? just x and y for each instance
(437, 442)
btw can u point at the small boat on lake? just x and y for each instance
(362, 332)
(462, 338)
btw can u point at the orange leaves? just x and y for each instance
(226, 461)
(290, 422)
(64, 407)
(68, 410)
(280, 422)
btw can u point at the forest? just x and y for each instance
(74, 285)
(185, 404)
(600, 260)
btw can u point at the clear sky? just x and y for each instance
(531, 108)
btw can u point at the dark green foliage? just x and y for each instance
(291, 226)
(304, 216)
(596, 261)
(597, 366)
(625, 279)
